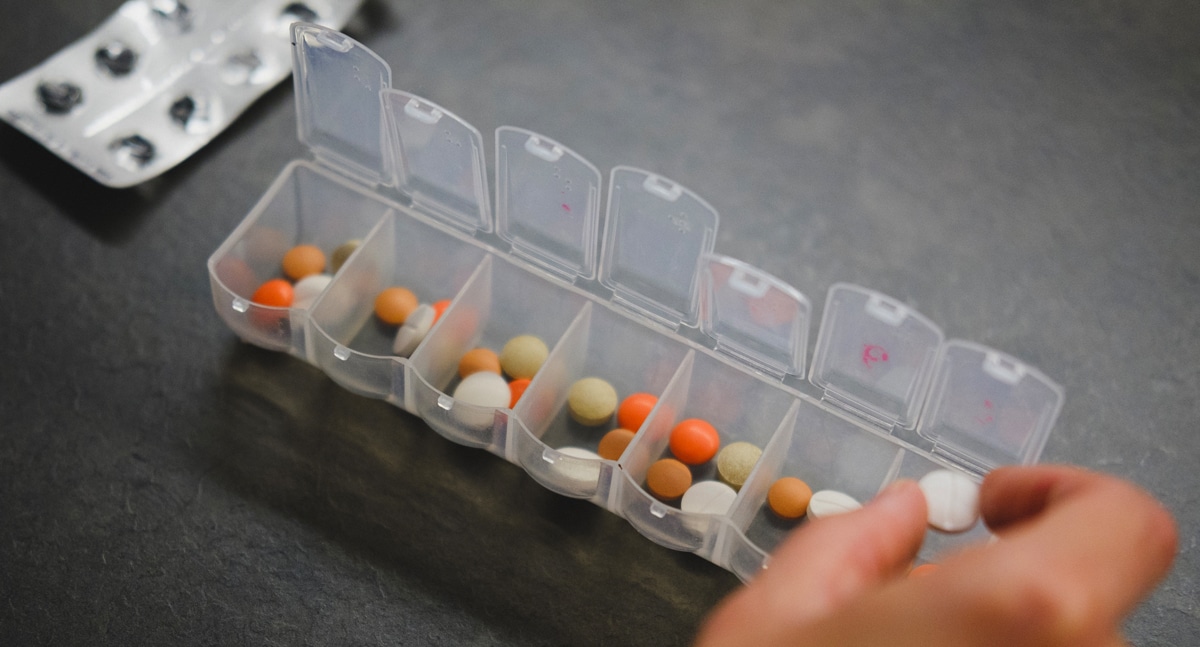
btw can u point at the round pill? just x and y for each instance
(583, 471)
(517, 389)
(592, 401)
(634, 410)
(478, 359)
(276, 292)
(439, 307)
(668, 479)
(827, 503)
(342, 253)
(788, 497)
(736, 461)
(394, 304)
(483, 389)
(309, 288)
(694, 441)
(613, 444)
(303, 260)
(952, 498)
(708, 497)
(523, 355)
(410, 335)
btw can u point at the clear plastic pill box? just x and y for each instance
(618, 276)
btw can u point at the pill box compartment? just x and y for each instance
(628, 354)
(306, 205)
(501, 301)
(349, 342)
(635, 295)
(742, 408)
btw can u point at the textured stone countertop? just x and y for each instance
(1026, 176)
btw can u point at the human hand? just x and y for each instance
(1077, 551)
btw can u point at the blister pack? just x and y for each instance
(157, 81)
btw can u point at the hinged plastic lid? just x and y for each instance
(988, 409)
(547, 202)
(874, 354)
(338, 109)
(439, 161)
(655, 235)
(753, 315)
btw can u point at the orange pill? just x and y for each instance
(922, 570)
(517, 389)
(613, 444)
(303, 260)
(789, 497)
(668, 479)
(634, 410)
(394, 304)
(276, 292)
(439, 307)
(694, 441)
(477, 360)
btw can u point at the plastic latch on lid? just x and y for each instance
(655, 235)
(338, 110)
(874, 355)
(754, 316)
(547, 202)
(439, 161)
(986, 409)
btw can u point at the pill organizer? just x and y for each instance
(632, 293)
(157, 81)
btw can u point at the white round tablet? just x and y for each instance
(415, 327)
(827, 503)
(708, 497)
(484, 389)
(952, 498)
(308, 289)
(581, 472)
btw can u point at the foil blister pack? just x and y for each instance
(157, 81)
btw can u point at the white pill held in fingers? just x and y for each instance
(952, 498)
(415, 327)
(708, 497)
(827, 503)
(309, 288)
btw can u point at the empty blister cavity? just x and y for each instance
(173, 15)
(401, 252)
(742, 408)
(195, 113)
(247, 67)
(133, 151)
(59, 97)
(630, 356)
(116, 58)
(297, 12)
(501, 301)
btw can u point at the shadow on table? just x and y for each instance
(464, 525)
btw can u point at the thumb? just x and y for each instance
(825, 564)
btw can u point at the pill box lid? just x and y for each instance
(753, 315)
(439, 161)
(986, 409)
(874, 355)
(655, 235)
(338, 110)
(547, 202)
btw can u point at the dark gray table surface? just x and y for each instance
(1026, 175)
